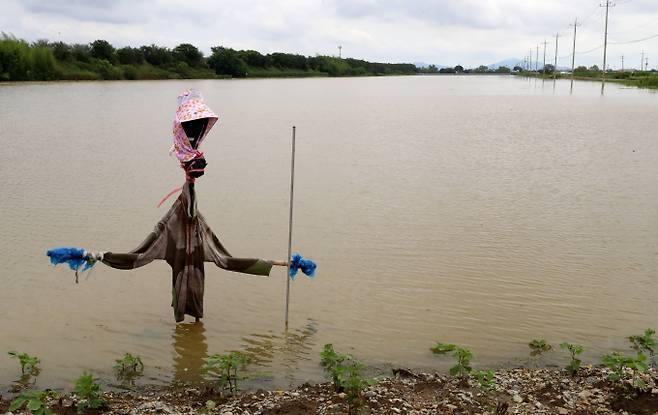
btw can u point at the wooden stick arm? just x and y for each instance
(280, 263)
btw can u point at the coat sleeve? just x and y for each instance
(153, 247)
(215, 252)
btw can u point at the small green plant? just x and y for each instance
(35, 401)
(443, 348)
(29, 364)
(645, 344)
(618, 363)
(462, 354)
(463, 366)
(485, 379)
(574, 350)
(88, 393)
(345, 372)
(226, 368)
(333, 364)
(129, 364)
(539, 347)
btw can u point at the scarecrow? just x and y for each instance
(182, 237)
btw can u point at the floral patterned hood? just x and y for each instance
(191, 106)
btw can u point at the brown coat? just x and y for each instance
(185, 241)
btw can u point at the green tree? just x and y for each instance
(581, 70)
(189, 54)
(81, 53)
(226, 61)
(130, 56)
(156, 55)
(459, 69)
(254, 58)
(503, 69)
(101, 49)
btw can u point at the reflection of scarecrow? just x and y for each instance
(182, 237)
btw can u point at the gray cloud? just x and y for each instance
(469, 32)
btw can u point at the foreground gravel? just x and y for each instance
(516, 391)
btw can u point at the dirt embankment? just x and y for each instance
(516, 391)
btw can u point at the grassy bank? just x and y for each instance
(99, 60)
(619, 382)
(640, 79)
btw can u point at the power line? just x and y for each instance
(635, 41)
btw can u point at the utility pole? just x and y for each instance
(340, 51)
(537, 60)
(557, 35)
(622, 63)
(646, 65)
(530, 59)
(573, 56)
(605, 42)
(544, 68)
(642, 61)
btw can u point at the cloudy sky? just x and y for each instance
(449, 32)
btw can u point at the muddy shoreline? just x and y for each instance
(514, 391)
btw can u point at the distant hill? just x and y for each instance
(510, 63)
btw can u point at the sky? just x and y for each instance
(444, 32)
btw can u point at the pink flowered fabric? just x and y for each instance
(191, 106)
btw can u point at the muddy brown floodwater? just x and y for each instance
(483, 211)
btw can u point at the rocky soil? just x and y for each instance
(516, 391)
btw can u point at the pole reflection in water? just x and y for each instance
(280, 354)
(190, 350)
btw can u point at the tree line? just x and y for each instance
(44, 60)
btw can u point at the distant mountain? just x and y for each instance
(510, 63)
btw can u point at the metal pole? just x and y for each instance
(292, 188)
(537, 60)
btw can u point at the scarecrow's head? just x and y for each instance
(192, 122)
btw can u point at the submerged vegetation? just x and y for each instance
(29, 364)
(44, 61)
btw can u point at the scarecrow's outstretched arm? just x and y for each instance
(215, 252)
(153, 247)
